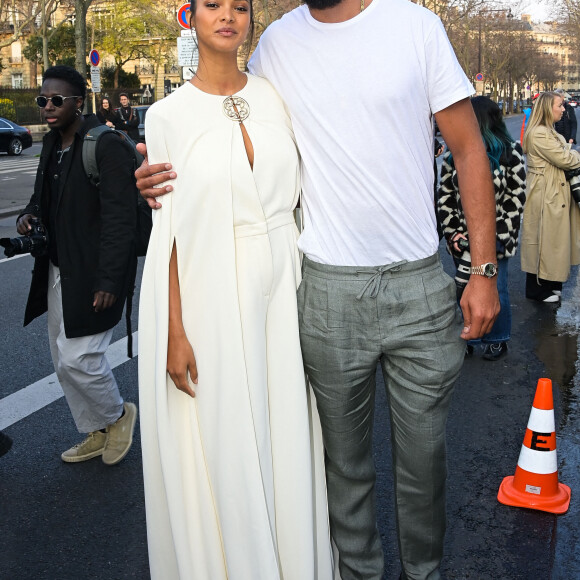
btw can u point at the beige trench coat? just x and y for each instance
(551, 226)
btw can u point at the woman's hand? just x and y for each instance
(109, 124)
(181, 362)
(453, 242)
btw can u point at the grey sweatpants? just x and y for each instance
(81, 366)
(404, 316)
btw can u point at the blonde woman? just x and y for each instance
(551, 227)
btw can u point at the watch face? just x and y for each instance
(490, 270)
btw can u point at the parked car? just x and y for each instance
(522, 104)
(13, 138)
(573, 102)
(141, 110)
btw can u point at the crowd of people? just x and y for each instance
(123, 118)
(256, 364)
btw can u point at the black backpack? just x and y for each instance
(89, 154)
(144, 216)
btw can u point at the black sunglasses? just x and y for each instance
(57, 100)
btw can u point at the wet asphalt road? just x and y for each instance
(87, 521)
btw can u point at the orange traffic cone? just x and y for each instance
(535, 483)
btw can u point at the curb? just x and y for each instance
(10, 211)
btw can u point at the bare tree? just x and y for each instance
(22, 17)
(81, 9)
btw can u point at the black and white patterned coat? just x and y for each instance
(510, 194)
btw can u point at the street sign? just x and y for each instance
(183, 15)
(147, 93)
(96, 79)
(479, 77)
(187, 52)
(94, 58)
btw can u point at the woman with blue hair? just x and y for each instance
(506, 161)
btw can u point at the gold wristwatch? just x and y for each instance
(489, 270)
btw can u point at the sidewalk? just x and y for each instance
(11, 211)
(12, 202)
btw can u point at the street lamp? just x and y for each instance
(509, 15)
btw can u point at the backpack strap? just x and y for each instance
(89, 152)
(129, 308)
(89, 157)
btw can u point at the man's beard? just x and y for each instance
(322, 4)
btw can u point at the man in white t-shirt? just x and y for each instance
(362, 80)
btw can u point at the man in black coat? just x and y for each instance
(83, 279)
(128, 119)
(567, 125)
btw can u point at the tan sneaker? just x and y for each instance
(92, 446)
(120, 436)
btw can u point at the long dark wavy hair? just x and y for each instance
(498, 142)
(496, 138)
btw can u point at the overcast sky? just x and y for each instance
(540, 11)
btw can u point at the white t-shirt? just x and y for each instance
(361, 95)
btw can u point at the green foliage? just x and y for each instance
(7, 109)
(127, 80)
(18, 105)
(61, 46)
(134, 29)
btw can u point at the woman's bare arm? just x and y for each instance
(180, 356)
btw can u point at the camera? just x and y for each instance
(573, 176)
(463, 271)
(462, 260)
(35, 242)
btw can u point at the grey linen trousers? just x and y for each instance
(405, 316)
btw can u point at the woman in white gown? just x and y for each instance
(232, 453)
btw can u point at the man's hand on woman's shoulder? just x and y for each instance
(149, 176)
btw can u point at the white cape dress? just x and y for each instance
(234, 479)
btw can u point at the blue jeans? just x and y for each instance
(501, 331)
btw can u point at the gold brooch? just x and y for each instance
(236, 109)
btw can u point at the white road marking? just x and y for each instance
(38, 395)
(13, 258)
(16, 170)
(22, 167)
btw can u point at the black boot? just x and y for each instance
(541, 290)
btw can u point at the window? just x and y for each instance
(17, 81)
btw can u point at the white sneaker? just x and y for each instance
(120, 436)
(557, 292)
(553, 298)
(92, 446)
